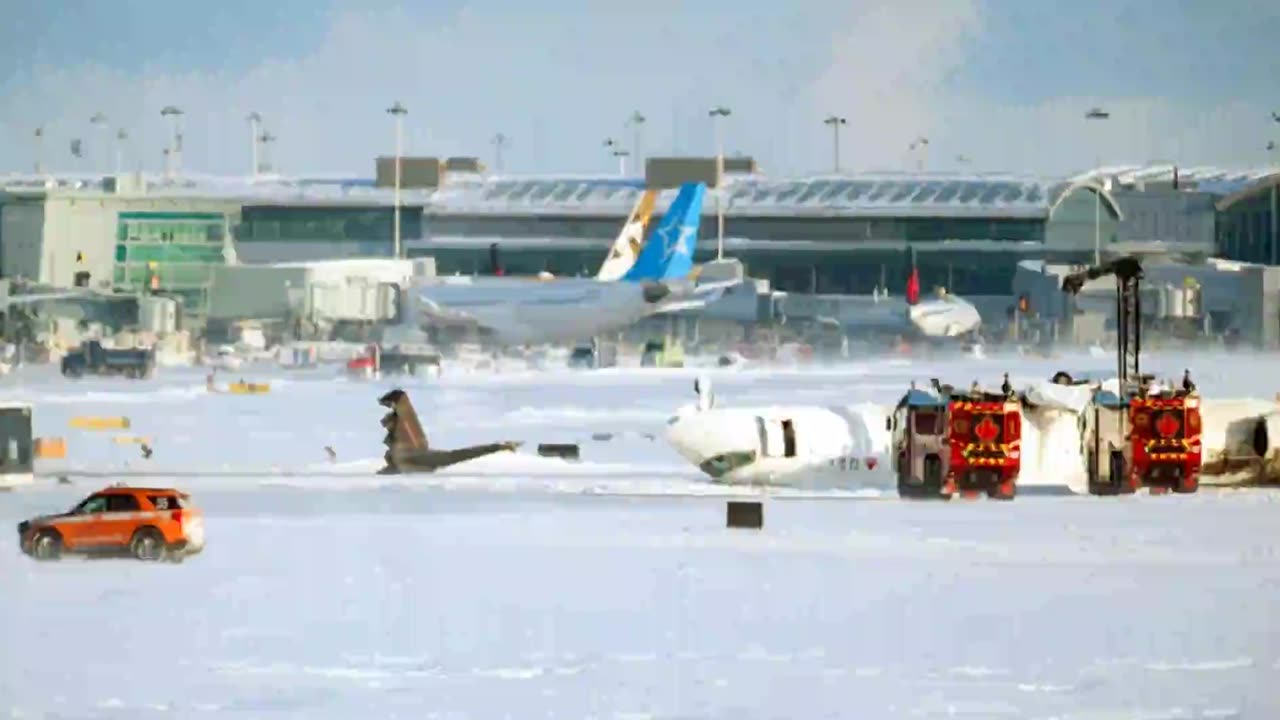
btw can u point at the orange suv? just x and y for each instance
(146, 523)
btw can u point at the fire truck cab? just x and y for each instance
(952, 442)
(984, 431)
(920, 451)
(1147, 437)
(1165, 440)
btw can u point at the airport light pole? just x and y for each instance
(255, 124)
(717, 114)
(622, 161)
(1275, 207)
(1099, 114)
(835, 121)
(265, 139)
(39, 143)
(99, 121)
(636, 122)
(174, 112)
(398, 112)
(122, 135)
(921, 144)
(500, 141)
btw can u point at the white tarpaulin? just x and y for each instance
(1073, 398)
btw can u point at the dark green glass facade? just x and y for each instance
(1245, 229)
(266, 223)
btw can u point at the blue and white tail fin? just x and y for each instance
(625, 250)
(668, 253)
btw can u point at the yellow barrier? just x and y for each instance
(130, 440)
(243, 388)
(50, 448)
(83, 422)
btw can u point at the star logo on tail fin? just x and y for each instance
(683, 242)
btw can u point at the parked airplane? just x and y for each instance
(944, 316)
(562, 309)
(806, 446)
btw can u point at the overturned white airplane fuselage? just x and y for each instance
(798, 446)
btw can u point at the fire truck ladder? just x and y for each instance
(1128, 273)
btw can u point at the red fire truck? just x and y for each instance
(1157, 441)
(984, 432)
(1165, 441)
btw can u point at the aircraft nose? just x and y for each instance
(684, 435)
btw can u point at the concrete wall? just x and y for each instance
(79, 235)
(415, 172)
(670, 172)
(248, 292)
(23, 231)
(1167, 215)
(270, 251)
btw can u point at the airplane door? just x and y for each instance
(788, 438)
(772, 442)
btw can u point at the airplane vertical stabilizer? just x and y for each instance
(668, 254)
(626, 249)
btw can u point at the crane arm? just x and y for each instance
(1128, 274)
(1126, 270)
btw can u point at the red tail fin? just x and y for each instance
(913, 286)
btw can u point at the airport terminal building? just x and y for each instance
(827, 235)
(847, 234)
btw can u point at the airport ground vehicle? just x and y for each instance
(666, 353)
(94, 359)
(16, 445)
(406, 359)
(145, 523)
(1139, 436)
(949, 442)
(593, 355)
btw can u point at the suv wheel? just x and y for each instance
(147, 545)
(46, 546)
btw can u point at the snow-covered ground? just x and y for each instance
(525, 587)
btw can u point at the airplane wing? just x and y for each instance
(41, 297)
(697, 301)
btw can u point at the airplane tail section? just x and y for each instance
(626, 249)
(405, 436)
(407, 447)
(668, 254)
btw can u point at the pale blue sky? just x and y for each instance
(1002, 82)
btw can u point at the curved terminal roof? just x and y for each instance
(832, 196)
(1207, 178)
(857, 195)
(1251, 190)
